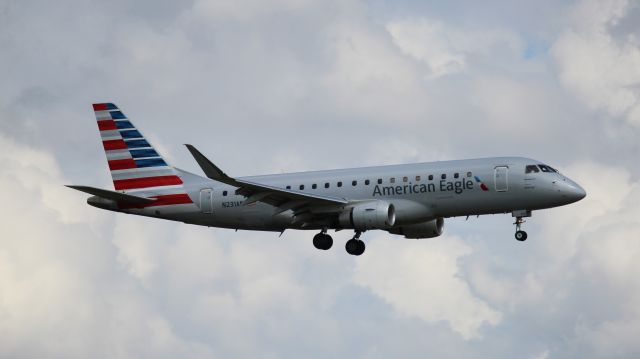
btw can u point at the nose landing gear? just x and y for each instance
(520, 234)
(322, 241)
(355, 246)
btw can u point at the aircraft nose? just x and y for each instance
(572, 191)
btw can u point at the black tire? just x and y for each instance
(352, 247)
(327, 242)
(521, 236)
(355, 247)
(318, 241)
(361, 248)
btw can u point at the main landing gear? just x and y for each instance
(355, 246)
(322, 240)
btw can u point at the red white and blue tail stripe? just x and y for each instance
(135, 165)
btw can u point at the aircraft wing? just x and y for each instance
(116, 196)
(257, 192)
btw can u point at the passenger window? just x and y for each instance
(301, 187)
(326, 185)
(468, 174)
(288, 187)
(354, 183)
(531, 169)
(430, 177)
(405, 179)
(224, 193)
(456, 175)
(340, 184)
(366, 182)
(314, 186)
(379, 180)
(443, 176)
(392, 180)
(417, 178)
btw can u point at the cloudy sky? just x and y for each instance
(284, 85)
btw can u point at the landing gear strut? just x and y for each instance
(322, 240)
(355, 246)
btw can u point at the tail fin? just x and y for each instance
(134, 163)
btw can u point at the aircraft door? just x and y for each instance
(501, 178)
(206, 200)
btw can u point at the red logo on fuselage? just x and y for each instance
(482, 185)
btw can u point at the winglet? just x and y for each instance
(210, 170)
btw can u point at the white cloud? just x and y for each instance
(369, 78)
(60, 296)
(579, 278)
(444, 49)
(601, 69)
(248, 10)
(423, 279)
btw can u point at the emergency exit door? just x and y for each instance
(206, 200)
(501, 178)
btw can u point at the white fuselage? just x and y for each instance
(419, 192)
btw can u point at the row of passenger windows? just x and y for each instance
(379, 181)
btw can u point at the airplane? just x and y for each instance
(409, 200)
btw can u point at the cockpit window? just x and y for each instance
(545, 168)
(532, 169)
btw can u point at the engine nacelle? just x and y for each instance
(427, 229)
(369, 215)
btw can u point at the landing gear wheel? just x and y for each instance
(322, 241)
(521, 236)
(355, 247)
(328, 242)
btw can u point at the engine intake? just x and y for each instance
(429, 229)
(369, 215)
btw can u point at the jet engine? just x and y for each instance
(369, 215)
(427, 229)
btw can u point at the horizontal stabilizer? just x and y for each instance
(116, 196)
